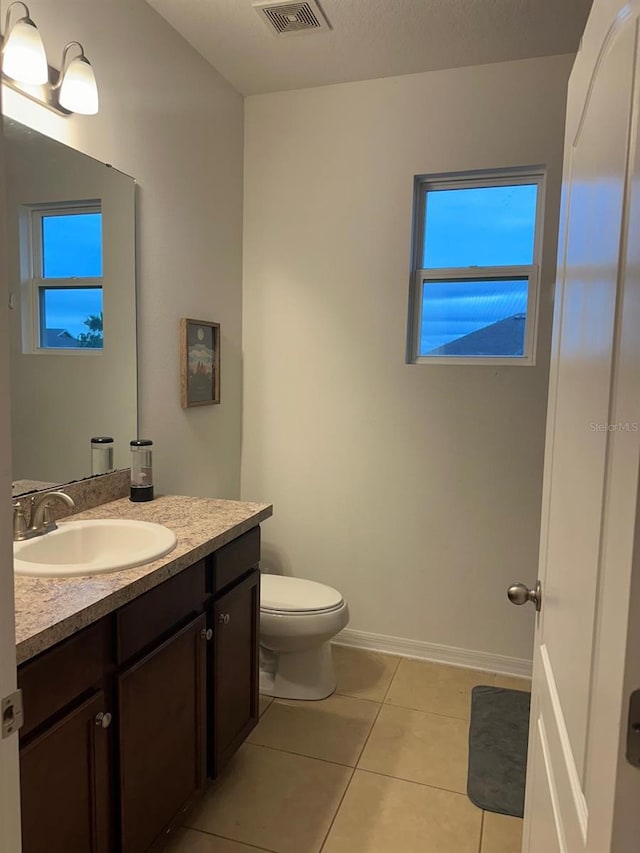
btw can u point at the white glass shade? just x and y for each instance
(23, 56)
(78, 91)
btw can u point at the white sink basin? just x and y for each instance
(92, 547)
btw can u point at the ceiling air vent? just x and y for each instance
(290, 18)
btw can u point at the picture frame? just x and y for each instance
(199, 363)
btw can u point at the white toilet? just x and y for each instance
(298, 618)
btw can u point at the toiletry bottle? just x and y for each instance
(141, 470)
(101, 455)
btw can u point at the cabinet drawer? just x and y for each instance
(55, 678)
(151, 616)
(232, 561)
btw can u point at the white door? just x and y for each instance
(582, 672)
(9, 786)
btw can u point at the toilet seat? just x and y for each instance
(297, 596)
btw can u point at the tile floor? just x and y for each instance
(379, 767)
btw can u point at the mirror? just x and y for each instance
(71, 265)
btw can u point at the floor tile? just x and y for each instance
(363, 674)
(273, 799)
(513, 683)
(383, 815)
(193, 841)
(263, 703)
(501, 834)
(419, 747)
(435, 687)
(334, 729)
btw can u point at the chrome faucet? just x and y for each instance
(36, 519)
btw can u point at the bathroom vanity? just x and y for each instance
(139, 684)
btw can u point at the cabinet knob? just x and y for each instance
(103, 720)
(206, 633)
(224, 618)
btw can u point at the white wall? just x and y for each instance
(413, 489)
(169, 119)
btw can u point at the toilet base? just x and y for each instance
(306, 675)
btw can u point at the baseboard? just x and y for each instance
(520, 667)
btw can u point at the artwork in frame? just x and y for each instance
(200, 363)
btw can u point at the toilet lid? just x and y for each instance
(296, 595)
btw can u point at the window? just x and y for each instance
(65, 298)
(476, 269)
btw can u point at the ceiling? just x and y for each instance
(373, 38)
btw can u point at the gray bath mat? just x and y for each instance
(498, 734)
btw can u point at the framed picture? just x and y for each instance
(199, 363)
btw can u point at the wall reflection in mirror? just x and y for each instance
(71, 264)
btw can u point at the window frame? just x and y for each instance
(35, 281)
(424, 184)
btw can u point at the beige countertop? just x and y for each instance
(49, 610)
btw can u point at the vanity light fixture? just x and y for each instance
(23, 56)
(76, 89)
(25, 69)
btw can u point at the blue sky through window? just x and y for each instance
(72, 246)
(467, 227)
(67, 308)
(480, 226)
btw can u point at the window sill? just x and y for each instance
(74, 351)
(477, 361)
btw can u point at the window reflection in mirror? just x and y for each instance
(65, 255)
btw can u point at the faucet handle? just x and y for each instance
(20, 523)
(47, 514)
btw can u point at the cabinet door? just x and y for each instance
(234, 679)
(65, 784)
(161, 725)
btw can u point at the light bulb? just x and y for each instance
(23, 55)
(78, 91)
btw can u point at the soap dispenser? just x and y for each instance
(141, 470)
(101, 455)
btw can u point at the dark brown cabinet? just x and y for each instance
(66, 784)
(124, 719)
(234, 663)
(161, 726)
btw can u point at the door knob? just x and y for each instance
(518, 593)
(103, 720)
